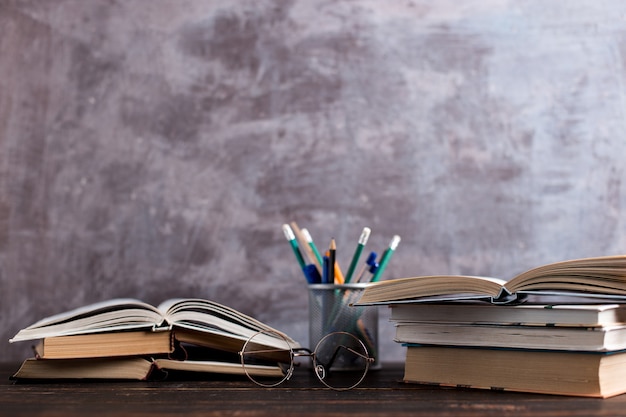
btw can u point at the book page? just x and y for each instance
(116, 314)
(205, 314)
(431, 286)
(603, 271)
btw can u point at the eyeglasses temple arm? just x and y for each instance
(349, 349)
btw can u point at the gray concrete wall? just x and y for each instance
(153, 148)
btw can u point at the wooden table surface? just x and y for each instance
(381, 393)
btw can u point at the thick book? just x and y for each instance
(560, 315)
(195, 321)
(593, 339)
(603, 277)
(548, 372)
(134, 368)
(97, 345)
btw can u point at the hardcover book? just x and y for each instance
(592, 339)
(548, 372)
(136, 368)
(561, 315)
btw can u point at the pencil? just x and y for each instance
(311, 244)
(332, 249)
(338, 275)
(365, 234)
(385, 258)
(294, 245)
(339, 279)
(303, 240)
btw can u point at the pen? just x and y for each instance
(312, 275)
(325, 270)
(365, 234)
(294, 245)
(369, 262)
(373, 268)
(385, 258)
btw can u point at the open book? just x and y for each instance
(589, 277)
(120, 323)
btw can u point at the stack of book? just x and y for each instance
(556, 329)
(129, 339)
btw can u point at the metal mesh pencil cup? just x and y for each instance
(330, 311)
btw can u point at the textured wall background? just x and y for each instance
(153, 148)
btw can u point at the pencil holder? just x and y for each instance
(330, 311)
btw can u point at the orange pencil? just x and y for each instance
(336, 276)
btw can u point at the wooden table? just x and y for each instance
(381, 393)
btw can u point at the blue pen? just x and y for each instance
(325, 267)
(373, 269)
(311, 274)
(370, 263)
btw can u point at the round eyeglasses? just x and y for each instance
(340, 360)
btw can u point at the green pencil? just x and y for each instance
(385, 259)
(309, 239)
(365, 234)
(291, 237)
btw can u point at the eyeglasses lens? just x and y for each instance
(266, 359)
(341, 361)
